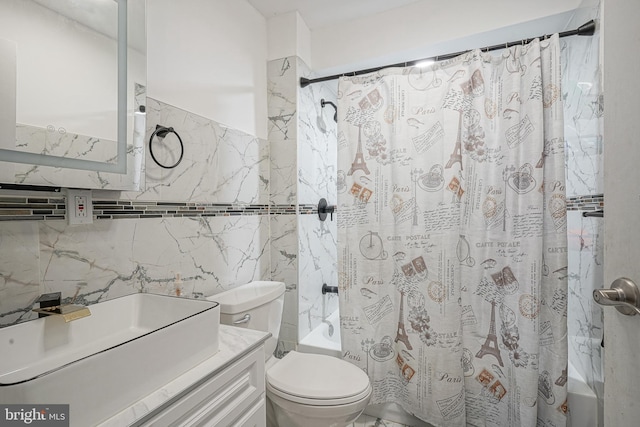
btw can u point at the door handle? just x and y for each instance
(624, 295)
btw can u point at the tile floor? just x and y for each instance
(369, 421)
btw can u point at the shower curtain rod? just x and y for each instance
(587, 29)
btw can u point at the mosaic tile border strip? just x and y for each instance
(585, 203)
(15, 208)
(26, 208)
(29, 208)
(109, 209)
(306, 209)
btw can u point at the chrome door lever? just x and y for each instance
(243, 319)
(624, 295)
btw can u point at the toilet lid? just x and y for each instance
(317, 379)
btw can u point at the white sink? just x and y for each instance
(129, 347)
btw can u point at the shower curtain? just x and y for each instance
(452, 237)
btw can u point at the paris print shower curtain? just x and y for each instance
(452, 237)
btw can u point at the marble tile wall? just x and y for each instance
(234, 169)
(583, 108)
(212, 251)
(19, 270)
(284, 268)
(282, 112)
(317, 165)
(302, 137)
(317, 140)
(317, 265)
(583, 112)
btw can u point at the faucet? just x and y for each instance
(330, 326)
(329, 289)
(51, 305)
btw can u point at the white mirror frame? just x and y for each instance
(124, 173)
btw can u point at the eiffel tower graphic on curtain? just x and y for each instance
(490, 346)
(401, 335)
(358, 162)
(456, 156)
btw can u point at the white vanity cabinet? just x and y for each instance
(227, 389)
(233, 397)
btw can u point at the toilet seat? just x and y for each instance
(318, 380)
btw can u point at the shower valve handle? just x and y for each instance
(324, 208)
(624, 295)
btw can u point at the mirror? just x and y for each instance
(72, 92)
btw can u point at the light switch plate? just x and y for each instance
(79, 207)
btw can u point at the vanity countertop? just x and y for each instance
(234, 344)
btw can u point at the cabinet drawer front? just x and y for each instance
(220, 400)
(256, 416)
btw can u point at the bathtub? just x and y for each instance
(320, 341)
(583, 403)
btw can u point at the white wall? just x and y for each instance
(209, 57)
(289, 36)
(415, 30)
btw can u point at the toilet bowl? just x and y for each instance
(303, 389)
(314, 390)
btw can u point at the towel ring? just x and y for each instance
(161, 132)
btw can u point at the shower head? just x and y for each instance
(323, 103)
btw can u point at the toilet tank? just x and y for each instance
(257, 305)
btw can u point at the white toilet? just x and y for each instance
(303, 390)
